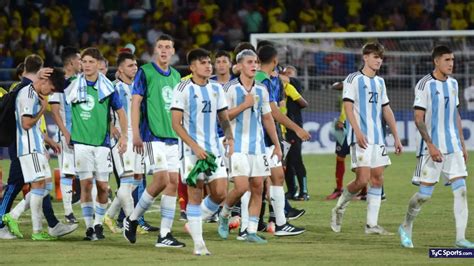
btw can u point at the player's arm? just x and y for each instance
(420, 124)
(53, 144)
(176, 119)
(135, 116)
(293, 93)
(349, 109)
(284, 120)
(269, 125)
(28, 120)
(224, 122)
(390, 119)
(461, 136)
(59, 121)
(117, 107)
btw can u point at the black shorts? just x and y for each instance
(342, 150)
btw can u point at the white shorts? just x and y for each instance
(251, 165)
(272, 160)
(35, 167)
(128, 163)
(160, 156)
(374, 156)
(428, 171)
(66, 158)
(188, 162)
(223, 152)
(93, 161)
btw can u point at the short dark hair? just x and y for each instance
(20, 69)
(124, 56)
(92, 52)
(57, 79)
(439, 51)
(373, 47)
(165, 37)
(263, 43)
(267, 53)
(68, 53)
(222, 53)
(243, 46)
(197, 54)
(33, 63)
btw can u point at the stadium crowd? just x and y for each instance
(45, 26)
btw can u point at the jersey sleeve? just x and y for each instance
(456, 87)
(221, 100)
(385, 99)
(180, 96)
(266, 103)
(115, 102)
(139, 83)
(55, 98)
(25, 103)
(268, 86)
(348, 92)
(421, 97)
(230, 97)
(291, 92)
(342, 115)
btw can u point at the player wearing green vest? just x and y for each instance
(154, 137)
(90, 136)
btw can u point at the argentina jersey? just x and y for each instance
(28, 141)
(64, 108)
(200, 106)
(440, 100)
(368, 95)
(247, 125)
(125, 94)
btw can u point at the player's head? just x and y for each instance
(248, 63)
(199, 62)
(103, 66)
(71, 59)
(222, 62)
(33, 63)
(268, 55)
(20, 69)
(127, 65)
(443, 59)
(90, 58)
(164, 49)
(372, 54)
(263, 43)
(55, 82)
(290, 71)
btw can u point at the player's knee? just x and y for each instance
(425, 192)
(458, 184)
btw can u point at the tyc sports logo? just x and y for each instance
(451, 253)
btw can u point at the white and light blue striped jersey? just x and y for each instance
(440, 100)
(247, 126)
(124, 91)
(369, 95)
(200, 106)
(64, 108)
(31, 140)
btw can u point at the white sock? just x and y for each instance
(208, 208)
(345, 199)
(460, 207)
(143, 205)
(168, 208)
(244, 211)
(193, 212)
(114, 207)
(88, 213)
(226, 211)
(414, 207)
(100, 209)
(66, 191)
(253, 225)
(124, 194)
(277, 196)
(374, 198)
(21, 207)
(36, 204)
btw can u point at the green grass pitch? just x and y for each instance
(319, 245)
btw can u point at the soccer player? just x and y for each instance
(222, 65)
(129, 164)
(30, 105)
(61, 114)
(196, 106)
(366, 103)
(441, 149)
(103, 66)
(91, 96)
(250, 112)
(154, 137)
(268, 57)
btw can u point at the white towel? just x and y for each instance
(76, 92)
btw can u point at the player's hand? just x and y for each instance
(122, 144)
(199, 152)
(55, 147)
(465, 154)
(277, 152)
(44, 72)
(137, 144)
(339, 125)
(361, 140)
(229, 144)
(303, 134)
(249, 100)
(398, 147)
(115, 132)
(435, 154)
(67, 137)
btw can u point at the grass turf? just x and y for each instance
(319, 245)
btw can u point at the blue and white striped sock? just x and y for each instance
(88, 213)
(193, 213)
(168, 207)
(143, 205)
(374, 199)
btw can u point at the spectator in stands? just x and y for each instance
(153, 33)
(253, 20)
(443, 22)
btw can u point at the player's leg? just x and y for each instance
(300, 170)
(241, 186)
(66, 164)
(193, 212)
(341, 152)
(374, 200)
(183, 199)
(256, 189)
